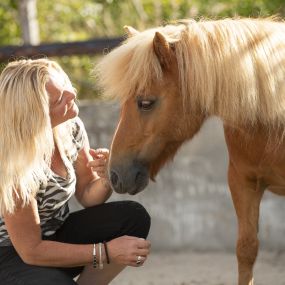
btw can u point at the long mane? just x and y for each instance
(231, 68)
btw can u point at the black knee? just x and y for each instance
(137, 220)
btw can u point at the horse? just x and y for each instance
(171, 79)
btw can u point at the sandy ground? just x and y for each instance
(189, 268)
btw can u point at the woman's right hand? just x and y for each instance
(125, 250)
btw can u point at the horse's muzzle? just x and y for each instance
(132, 179)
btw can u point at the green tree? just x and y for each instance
(10, 29)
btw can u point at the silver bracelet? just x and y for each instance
(100, 256)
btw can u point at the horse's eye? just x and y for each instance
(145, 105)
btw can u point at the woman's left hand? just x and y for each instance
(100, 160)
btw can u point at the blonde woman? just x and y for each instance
(44, 159)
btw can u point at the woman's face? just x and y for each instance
(61, 97)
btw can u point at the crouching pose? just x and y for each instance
(45, 159)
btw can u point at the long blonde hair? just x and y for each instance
(26, 135)
(231, 68)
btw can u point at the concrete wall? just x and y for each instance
(190, 203)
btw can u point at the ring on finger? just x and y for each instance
(139, 260)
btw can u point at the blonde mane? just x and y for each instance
(231, 68)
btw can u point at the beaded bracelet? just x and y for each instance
(106, 252)
(94, 256)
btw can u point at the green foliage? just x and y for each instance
(79, 69)
(73, 20)
(246, 8)
(10, 29)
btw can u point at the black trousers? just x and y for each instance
(90, 225)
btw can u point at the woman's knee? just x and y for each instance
(138, 220)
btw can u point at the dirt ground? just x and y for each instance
(190, 268)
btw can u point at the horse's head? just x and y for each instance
(153, 122)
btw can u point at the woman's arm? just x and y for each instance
(24, 230)
(92, 189)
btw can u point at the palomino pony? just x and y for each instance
(171, 79)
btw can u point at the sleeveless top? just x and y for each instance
(52, 198)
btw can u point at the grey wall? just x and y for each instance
(190, 203)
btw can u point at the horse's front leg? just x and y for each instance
(246, 197)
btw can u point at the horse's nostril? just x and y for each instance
(116, 182)
(139, 177)
(114, 178)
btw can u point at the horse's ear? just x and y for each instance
(130, 31)
(162, 50)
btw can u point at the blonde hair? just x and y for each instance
(231, 68)
(26, 140)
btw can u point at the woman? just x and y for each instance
(44, 159)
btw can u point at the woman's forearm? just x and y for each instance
(57, 254)
(95, 193)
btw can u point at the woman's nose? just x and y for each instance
(70, 95)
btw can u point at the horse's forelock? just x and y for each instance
(132, 67)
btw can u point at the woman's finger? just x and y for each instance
(102, 174)
(104, 151)
(143, 252)
(139, 260)
(143, 243)
(99, 153)
(98, 168)
(96, 163)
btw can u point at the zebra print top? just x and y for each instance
(52, 198)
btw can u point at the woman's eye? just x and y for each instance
(145, 105)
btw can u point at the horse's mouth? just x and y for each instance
(131, 180)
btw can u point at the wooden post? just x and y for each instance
(29, 21)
